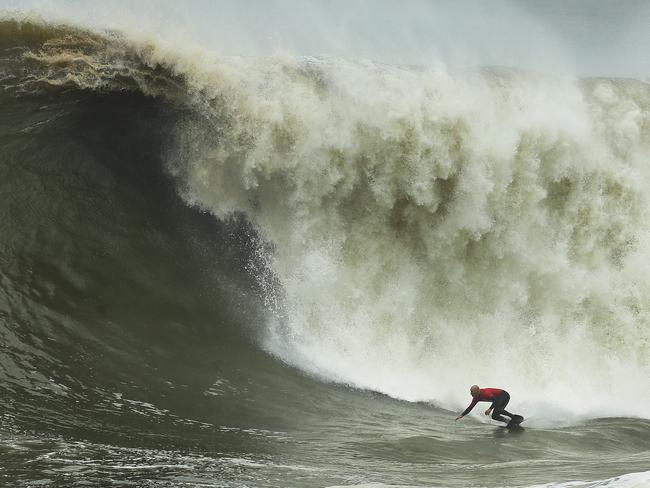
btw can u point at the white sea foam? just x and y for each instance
(631, 480)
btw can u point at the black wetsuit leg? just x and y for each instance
(499, 407)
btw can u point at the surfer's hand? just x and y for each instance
(487, 412)
(459, 417)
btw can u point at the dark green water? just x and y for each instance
(132, 323)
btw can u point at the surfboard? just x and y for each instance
(515, 421)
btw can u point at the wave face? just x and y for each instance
(201, 254)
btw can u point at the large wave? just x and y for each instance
(428, 229)
(432, 230)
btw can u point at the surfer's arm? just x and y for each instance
(489, 410)
(468, 409)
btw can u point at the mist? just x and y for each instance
(581, 38)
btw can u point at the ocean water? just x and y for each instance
(238, 271)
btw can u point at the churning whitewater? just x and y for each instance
(407, 232)
(427, 224)
(430, 228)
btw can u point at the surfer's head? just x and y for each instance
(474, 390)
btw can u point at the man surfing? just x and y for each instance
(499, 399)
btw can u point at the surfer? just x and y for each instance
(499, 399)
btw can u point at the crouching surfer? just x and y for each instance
(499, 399)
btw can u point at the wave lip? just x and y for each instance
(41, 56)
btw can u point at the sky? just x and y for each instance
(581, 37)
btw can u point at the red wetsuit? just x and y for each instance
(484, 395)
